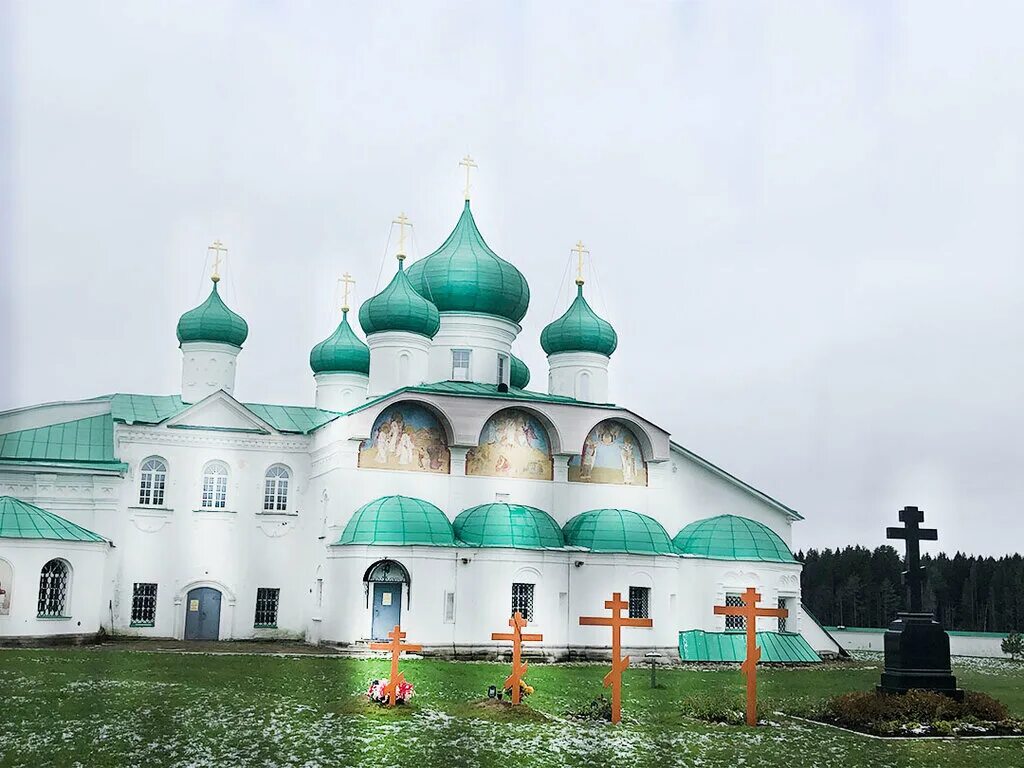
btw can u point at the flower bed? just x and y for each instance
(376, 694)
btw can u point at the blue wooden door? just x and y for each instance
(202, 614)
(387, 608)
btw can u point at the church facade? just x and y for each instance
(427, 485)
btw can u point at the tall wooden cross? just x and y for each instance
(517, 622)
(218, 248)
(579, 250)
(467, 163)
(616, 621)
(346, 280)
(913, 577)
(402, 221)
(749, 611)
(396, 646)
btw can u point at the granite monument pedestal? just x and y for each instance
(917, 656)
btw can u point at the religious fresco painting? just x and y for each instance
(513, 444)
(611, 454)
(6, 578)
(406, 436)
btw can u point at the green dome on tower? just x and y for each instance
(579, 330)
(728, 537)
(213, 321)
(341, 352)
(617, 530)
(399, 308)
(398, 520)
(513, 526)
(465, 275)
(519, 375)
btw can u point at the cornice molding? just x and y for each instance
(149, 436)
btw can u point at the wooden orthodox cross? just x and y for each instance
(913, 577)
(467, 163)
(749, 611)
(396, 646)
(218, 248)
(616, 621)
(517, 622)
(579, 250)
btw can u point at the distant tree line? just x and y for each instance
(858, 587)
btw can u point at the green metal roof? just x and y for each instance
(398, 520)
(213, 321)
(776, 647)
(519, 376)
(341, 352)
(465, 275)
(153, 409)
(508, 525)
(399, 308)
(617, 530)
(728, 537)
(21, 520)
(88, 440)
(292, 418)
(579, 330)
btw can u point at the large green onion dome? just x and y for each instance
(399, 308)
(728, 537)
(579, 330)
(519, 375)
(617, 530)
(398, 520)
(341, 352)
(465, 275)
(508, 525)
(213, 321)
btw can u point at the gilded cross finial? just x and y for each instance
(218, 248)
(579, 250)
(467, 163)
(402, 221)
(345, 280)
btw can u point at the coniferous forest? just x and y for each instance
(857, 587)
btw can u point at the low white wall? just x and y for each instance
(981, 644)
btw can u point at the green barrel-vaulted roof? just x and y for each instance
(465, 275)
(399, 308)
(341, 352)
(617, 530)
(519, 375)
(728, 537)
(399, 520)
(514, 526)
(213, 321)
(21, 520)
(579, 330)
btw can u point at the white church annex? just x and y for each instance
(427, 485)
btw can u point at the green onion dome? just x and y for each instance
(213, 321)
(519, 375)
(399, 308)
(579, 330)
(465, 275)
(399, 520)
(508, 525)
(728, 537)
(341, 352)
(617, 530)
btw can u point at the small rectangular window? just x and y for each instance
(639, 602)
(460, 364)
(143, 604)
(502, 365)
(522, 600)
(267, 599)
(449, 607)
(735, 623)
(784, 605)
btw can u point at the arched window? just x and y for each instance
(53, 589)
(215, 485)
(275, 489)
(152, 482)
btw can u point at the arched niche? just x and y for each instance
(611, 455)
(409, 437)
(513, 443)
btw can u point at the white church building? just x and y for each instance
(427, 485)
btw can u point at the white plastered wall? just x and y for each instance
(397, 359)
(205, 368)
(485, 336)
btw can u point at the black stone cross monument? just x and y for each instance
(916, 647)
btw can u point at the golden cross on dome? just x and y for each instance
(402, 221)
(218, 248)
(579, 250)
(345, 280)
(467, 163)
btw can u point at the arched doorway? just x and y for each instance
(202, 614)
(385, 581)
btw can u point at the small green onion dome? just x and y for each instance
(341, 352)
(465, 275)
(617, 530)
(728, 537)
(399, 308)
(508, 525)
(579, 330)
(213, 321)
(519, 375)
(399, 520)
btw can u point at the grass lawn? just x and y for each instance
(102, 707)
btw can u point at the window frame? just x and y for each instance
(267, 598)
(143, 604)
(272, 492)
(504, 369)
(782, 601)
(152, 482)
(641, 596)
(735, 623)
(210, 471)
(46, 587)
(524, 599)
(468, 367)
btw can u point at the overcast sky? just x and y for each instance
(805, 218)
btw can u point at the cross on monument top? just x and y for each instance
(913, 577)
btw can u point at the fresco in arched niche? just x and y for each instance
(6, 580)
(406, 436)
(611, 454)
(513, 444)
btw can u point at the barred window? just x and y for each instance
(152, 481)
(53, 589)
(639, 602)
(275, 489)
(522, 600)
(783, 604)
(735, 623)
(215, 486)
(267, 599)
(143, 604)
